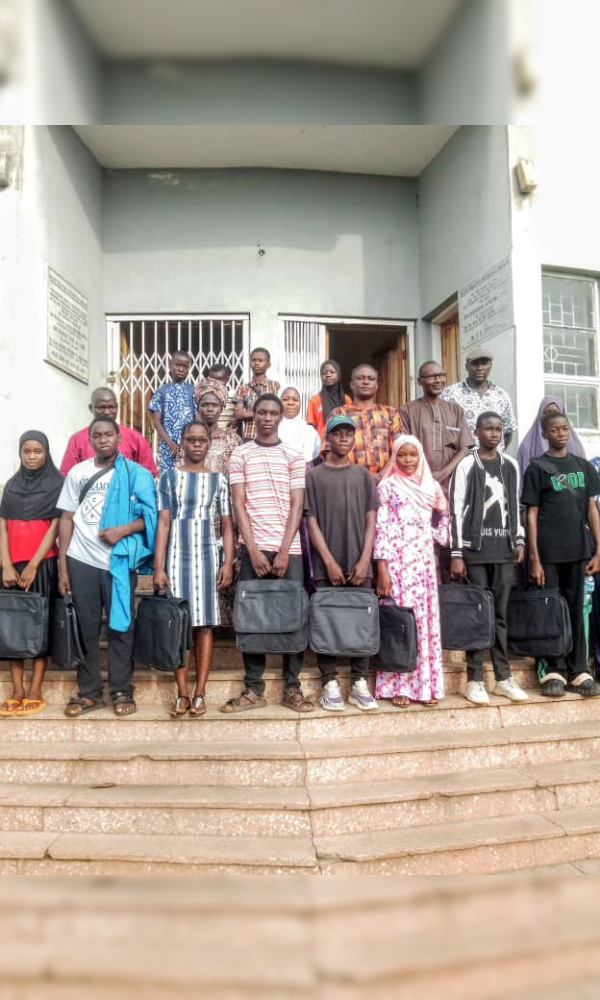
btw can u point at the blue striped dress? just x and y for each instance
(194, 551)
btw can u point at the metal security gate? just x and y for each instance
(140, 350)
(303, 353)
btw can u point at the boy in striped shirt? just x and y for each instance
(267, 480)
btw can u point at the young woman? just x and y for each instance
(187, 552)
(329, 398)
(294, 429)
(28, 531)
(210, 396)
(534, 444)
(404, 536)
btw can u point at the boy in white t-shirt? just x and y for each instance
(84, 569)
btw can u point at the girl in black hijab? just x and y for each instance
(28, 531)
(329, 398)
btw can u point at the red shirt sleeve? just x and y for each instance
(144, 455)
(71, 456)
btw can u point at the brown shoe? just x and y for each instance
(295, 700)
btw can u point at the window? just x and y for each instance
(571, 366)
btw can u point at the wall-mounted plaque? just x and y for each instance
(485, 305)
(68, 327)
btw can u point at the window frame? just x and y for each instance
(592, 381)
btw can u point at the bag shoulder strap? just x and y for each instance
(92, 482)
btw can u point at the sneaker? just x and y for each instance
(476, 693)
(510, 689)
(553, 688)
(362, 697)
(331, 699)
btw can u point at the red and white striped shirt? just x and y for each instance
(268, 473)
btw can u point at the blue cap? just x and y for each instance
(339, 420)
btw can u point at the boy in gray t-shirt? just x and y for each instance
(341, 500)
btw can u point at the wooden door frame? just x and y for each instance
(407, 325)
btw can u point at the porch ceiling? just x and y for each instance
(401, 150)
(386, 33)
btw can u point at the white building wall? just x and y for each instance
(57, 221)
(188, 241)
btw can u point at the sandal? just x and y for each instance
(177, 708)
(247, 700)
(401, 702)
(198, 706)
(81, 706)
(124, 704)
(9, 707)
(295, 700)
(29, 706)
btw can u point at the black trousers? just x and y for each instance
(92, 591)
(359, 665)
(498, 578)
(254, 663)
(569, 580)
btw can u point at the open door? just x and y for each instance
(391, 364)
(450, 334)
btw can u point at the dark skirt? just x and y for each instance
(46, 578)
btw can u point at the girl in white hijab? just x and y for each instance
(294, 430)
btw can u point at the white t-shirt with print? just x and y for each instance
(85, 545)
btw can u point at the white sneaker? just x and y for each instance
(331, 699)
(362, 697)
(510, 689)
(476, 693)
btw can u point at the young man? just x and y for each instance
(341, 500)
(377, 426)
(487, 540)
(106, 531)
(133, 445)
(267, 481)
(247, 395)
(439, 425)
(478, 394)
(172, 407)
(563, 532)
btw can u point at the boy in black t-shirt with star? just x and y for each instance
(487, 540)
(563, 531)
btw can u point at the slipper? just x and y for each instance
(401, 702)
(198, 706)
(246, 701)
(29, 706)
(177, 709)
(9, 707)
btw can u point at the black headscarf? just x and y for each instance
(32, 495)
(332, 396)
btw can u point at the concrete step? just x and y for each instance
(480, 846)
(320, 810)
(275, 722)
(290, 763)
(226, 679)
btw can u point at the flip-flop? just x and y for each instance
(29, 706)
(401, 701)
(9, 707)
(177, 711)
(198, 706)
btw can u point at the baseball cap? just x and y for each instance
(479, 352)
(339, 420)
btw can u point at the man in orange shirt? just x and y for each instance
(377, 426)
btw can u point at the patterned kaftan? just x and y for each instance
(404, 538)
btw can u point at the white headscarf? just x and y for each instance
(301, 436)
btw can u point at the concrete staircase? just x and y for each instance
(443, 790)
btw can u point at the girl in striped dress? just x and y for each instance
(187, 552)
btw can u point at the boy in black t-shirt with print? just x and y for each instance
(487, 540)
(563, 531)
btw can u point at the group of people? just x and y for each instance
(354, 494)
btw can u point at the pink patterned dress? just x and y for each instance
(404, 538)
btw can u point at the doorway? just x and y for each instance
(384, 347)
